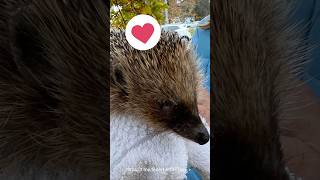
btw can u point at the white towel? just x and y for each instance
(140, 152)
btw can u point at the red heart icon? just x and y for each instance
(144, 33)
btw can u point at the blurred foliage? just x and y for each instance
(180, 11)
(124, 10)
(195, 9)
(202, 8)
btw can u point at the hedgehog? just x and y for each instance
(166, 78)
(154, 121)
(257, 60)
(54, 89)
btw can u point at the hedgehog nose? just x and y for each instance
(202, 137)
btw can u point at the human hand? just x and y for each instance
(204, 104)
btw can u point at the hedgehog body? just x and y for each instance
(154, 110)
(257, 58)
(54, 90)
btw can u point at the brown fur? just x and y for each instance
(54, 89)
(257, 58)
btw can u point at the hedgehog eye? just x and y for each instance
(167, 105)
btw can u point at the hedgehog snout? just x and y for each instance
(194, 130)
(201, 135)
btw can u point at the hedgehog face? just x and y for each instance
(182, 120)
(158, 85)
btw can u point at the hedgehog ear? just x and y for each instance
(26, 44)
(118, 78)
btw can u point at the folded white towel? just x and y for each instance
(140, 152)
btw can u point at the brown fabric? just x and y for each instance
(301, 137)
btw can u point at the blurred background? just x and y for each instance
(181, 16)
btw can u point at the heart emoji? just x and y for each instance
(143, 33)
